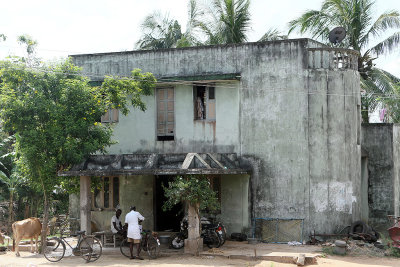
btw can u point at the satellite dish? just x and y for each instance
(337, 35)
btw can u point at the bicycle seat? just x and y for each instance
(80, 232)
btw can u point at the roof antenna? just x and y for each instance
(337, 35)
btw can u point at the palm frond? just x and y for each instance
(386, 21)
(315, 22)
(388, 45)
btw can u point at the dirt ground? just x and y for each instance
(28, 259)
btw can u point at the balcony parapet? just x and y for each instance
(332, 58)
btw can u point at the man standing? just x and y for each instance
(134, 236)
(116, 226)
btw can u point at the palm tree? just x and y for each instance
(159, 31)
(273, 35)
(356, 17)
(228, 21)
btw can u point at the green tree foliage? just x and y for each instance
(194, 189)
(356, 17)
(9, 176)
(54, 114)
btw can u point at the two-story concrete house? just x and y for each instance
(275, 125)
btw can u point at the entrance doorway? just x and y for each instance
(170, 219)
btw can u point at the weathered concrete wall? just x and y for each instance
(293, 110)
(396, 169)
(234, 203)
(378, 141)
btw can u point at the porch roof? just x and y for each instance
(158, 164)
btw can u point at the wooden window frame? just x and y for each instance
(206, 102)
(111, 116)
(166, 136)
(110, 194)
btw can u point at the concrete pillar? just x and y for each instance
(194, 243)
(85, 204)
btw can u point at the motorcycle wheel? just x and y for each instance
(213, 240)
(177, 241)
(223, 235)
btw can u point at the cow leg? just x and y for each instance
(36, 242)
(17, 246)
(32, 245)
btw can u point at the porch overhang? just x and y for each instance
(158, 164)
(203, 78)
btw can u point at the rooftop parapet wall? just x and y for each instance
(201, 60)
(332, 58)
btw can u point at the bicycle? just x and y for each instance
(88, 247)
(149, 243)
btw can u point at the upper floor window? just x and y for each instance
(112, 115)
(165, 114)
(204, 102)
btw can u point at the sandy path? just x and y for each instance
(32, 260)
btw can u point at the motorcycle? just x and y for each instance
(214, 235)
(220, 228)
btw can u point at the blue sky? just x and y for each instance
(65, 27)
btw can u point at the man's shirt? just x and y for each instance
(117, 223)
(132, 219)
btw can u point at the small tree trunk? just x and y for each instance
(43, 235)
(194, 221)
(194, 243)
(11, 211)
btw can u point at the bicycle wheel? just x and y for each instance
(153, 247)
(124, 247)
(54, 249)
(90, 248)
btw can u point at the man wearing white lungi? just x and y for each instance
(134, 236)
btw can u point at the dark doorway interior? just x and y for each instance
(165, 220)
